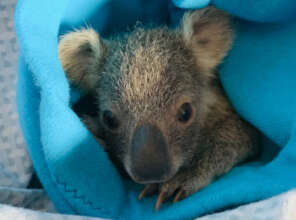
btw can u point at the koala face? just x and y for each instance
(153, 89)
(149, 110)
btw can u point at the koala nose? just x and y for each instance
(150, 161)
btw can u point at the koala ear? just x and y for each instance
(208, 33)
(81, 53)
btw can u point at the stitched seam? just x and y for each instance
(82, 198)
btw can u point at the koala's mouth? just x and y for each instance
(150, 175)
(149, 159)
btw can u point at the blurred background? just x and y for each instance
(15, 165)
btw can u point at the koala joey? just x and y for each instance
(159, 106)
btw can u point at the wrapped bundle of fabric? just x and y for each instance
(258, 76)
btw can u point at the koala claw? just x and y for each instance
(148, 190)
(178, 188)
(181, 194)
(167, 191)
(163, 196)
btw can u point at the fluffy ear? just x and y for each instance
(81, 53)
(209, 34)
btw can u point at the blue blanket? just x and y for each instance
(259, 76)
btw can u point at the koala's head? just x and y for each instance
(153, 88)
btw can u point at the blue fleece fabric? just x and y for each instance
(259, 76)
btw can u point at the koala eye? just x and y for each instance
(110, 120)
(184, 112)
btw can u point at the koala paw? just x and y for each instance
(178, 188)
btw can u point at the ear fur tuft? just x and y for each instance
(81, 53)
(208, 33)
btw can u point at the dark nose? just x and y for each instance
(150, 161)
